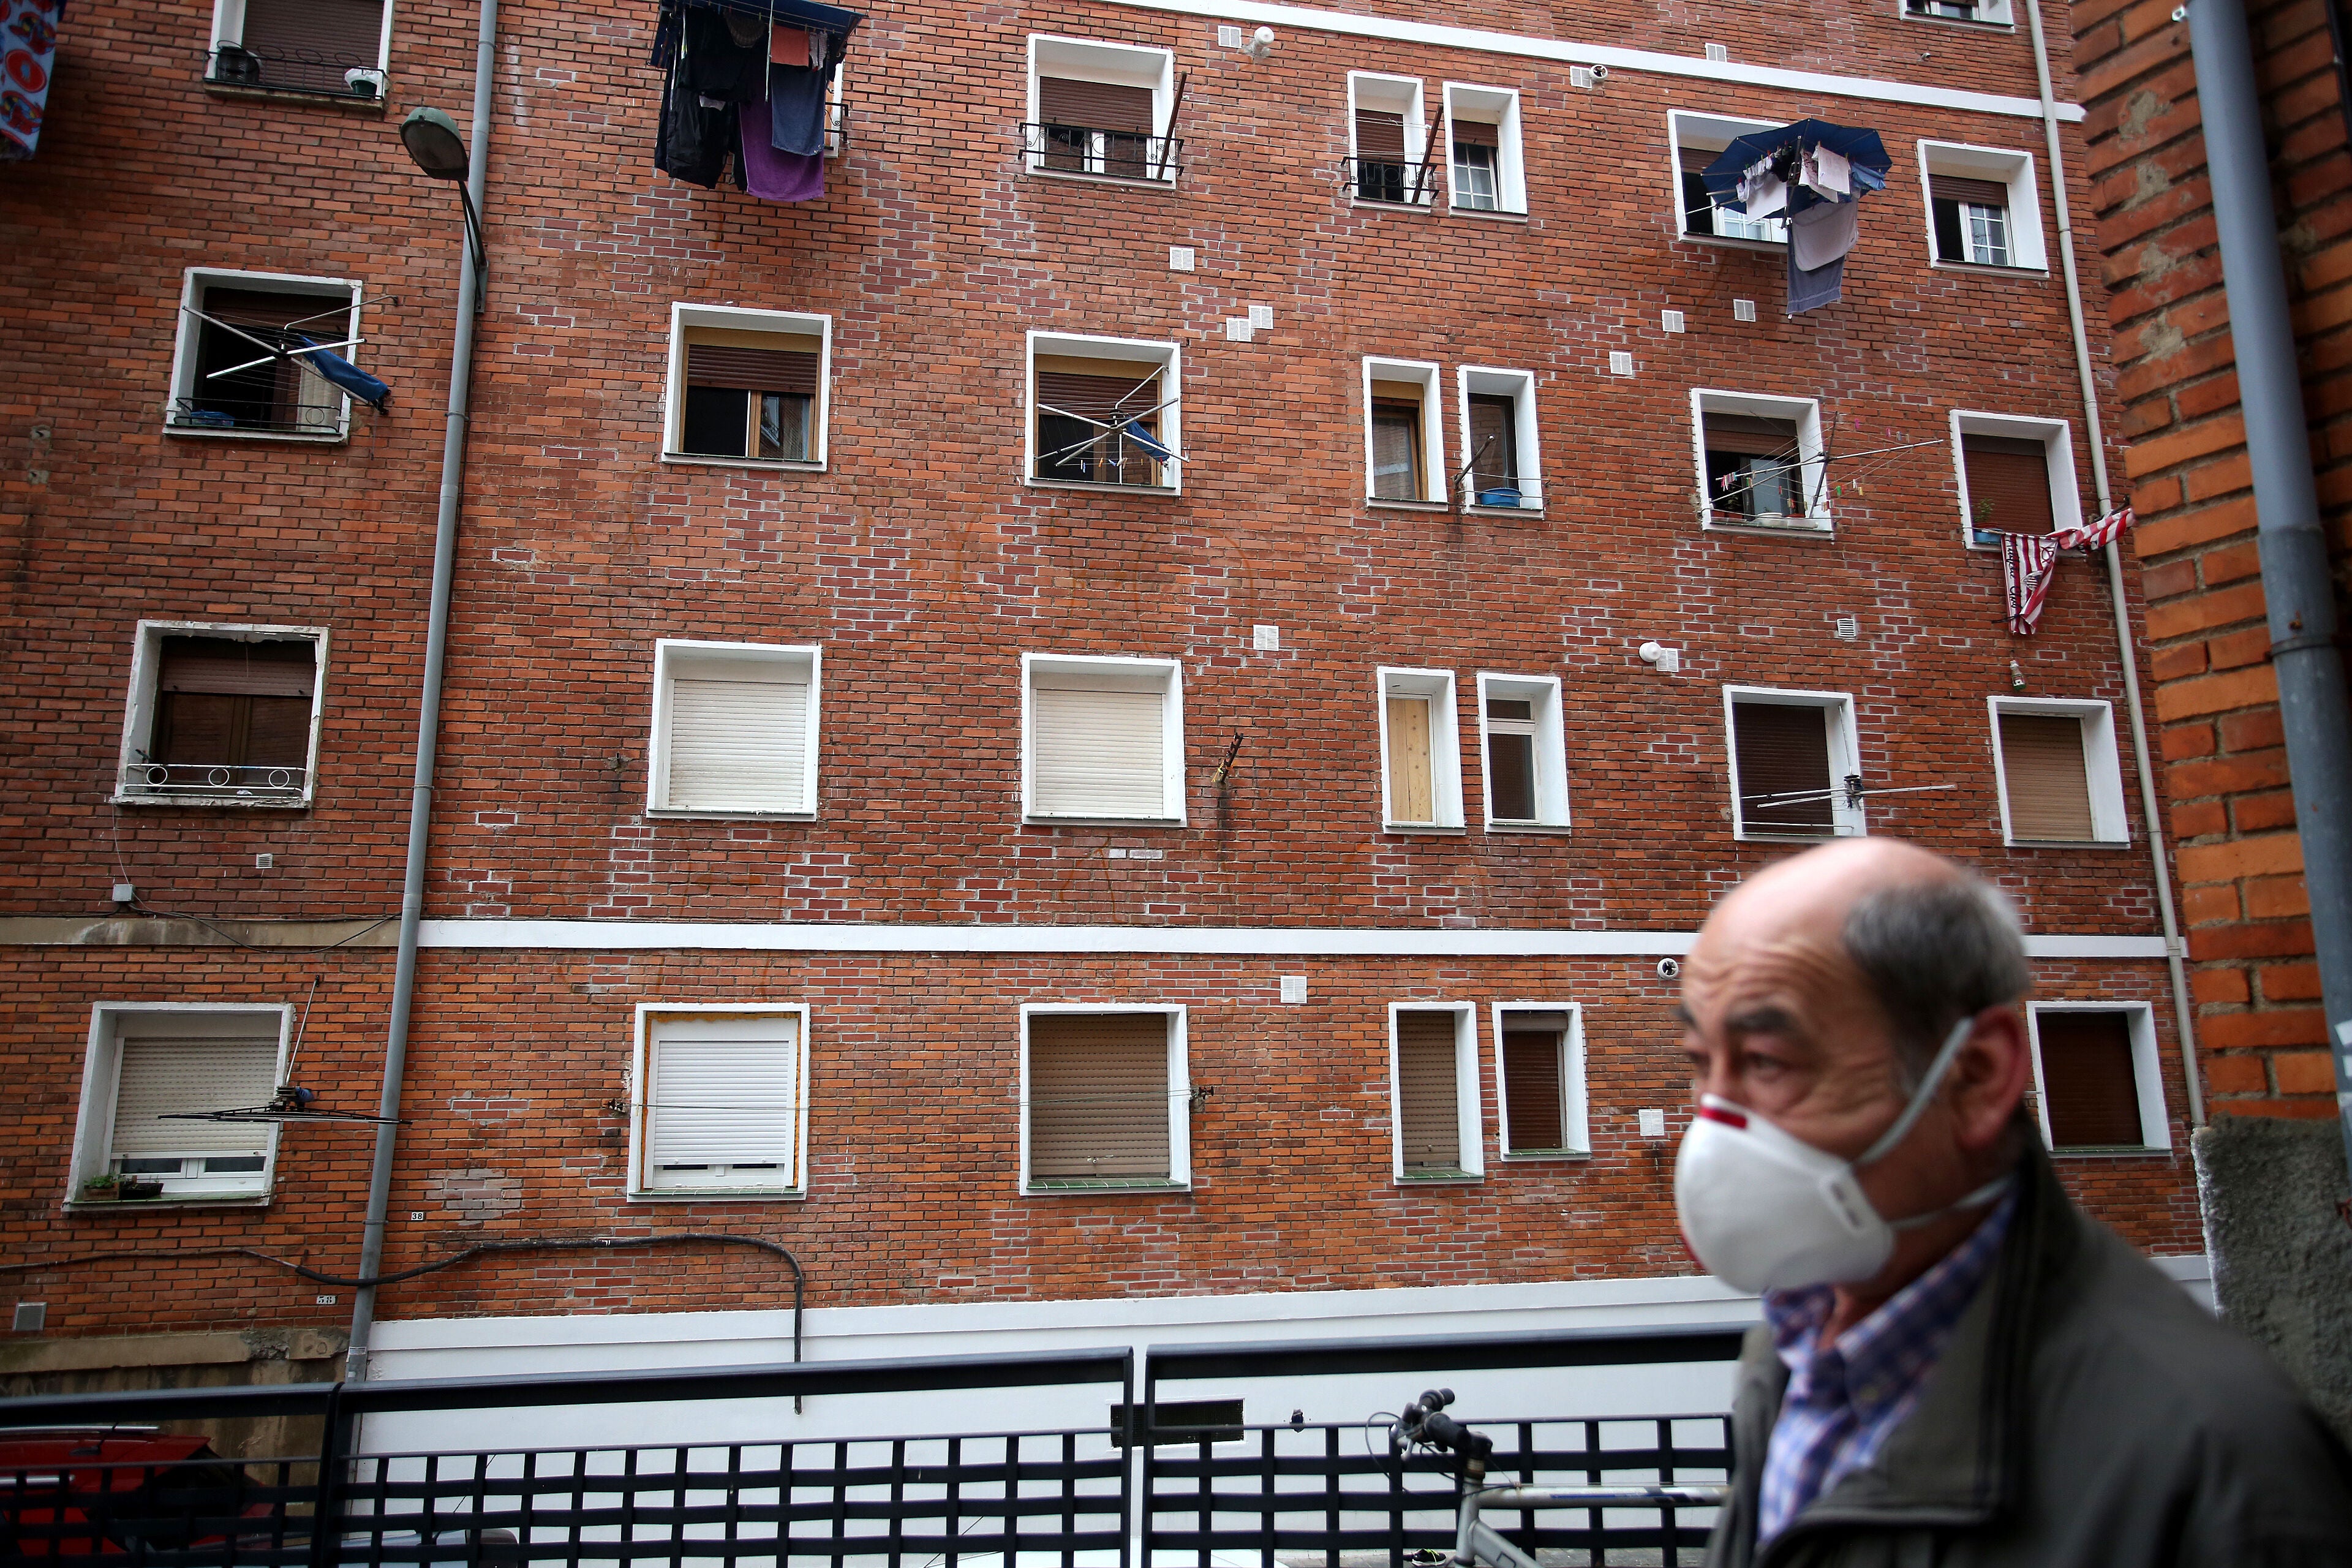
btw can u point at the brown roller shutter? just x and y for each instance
(310, 44)
(1428, 1109)
(1751, 437)
(1094, 105)
(2042, 762)
(791, 370)
(1102, 397)
(1098, 1096)
(2088, 1084)
(1978, 193)
(1532, 1088)
(2009, 483)
(1379, 135)
(1477, 133)
(1783, 750)
(229, 667)
(1695, 160)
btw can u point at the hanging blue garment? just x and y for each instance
(1143, 439)
(345, 374)
(796, 110)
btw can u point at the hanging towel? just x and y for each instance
(789, 46)
(775, 174)
(1823, 233)
(796, 110)
(1810, 289)
(1762, 193)
(2028, 562)
(1826, 173)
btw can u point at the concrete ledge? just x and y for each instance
(108, 1352)
(147, 930)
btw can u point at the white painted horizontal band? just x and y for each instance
(1265, 941)
(1352, 24)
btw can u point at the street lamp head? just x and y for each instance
(432, 140)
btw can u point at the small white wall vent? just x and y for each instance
(1179, 258)
(1671, 320)
(1293, 990)
(1267, 639)
(1238, 329)
(1229, 37)
(1849, 628)
(1261, 318)
(1651, 1123)
(1743, 309)
(1620, 362)
(1718, 52)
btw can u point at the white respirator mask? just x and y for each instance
(1766, 1211)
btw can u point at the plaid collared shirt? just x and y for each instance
(1844, 1398)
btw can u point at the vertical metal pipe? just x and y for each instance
(2151, 807)
(2297, 585)
(428, 714)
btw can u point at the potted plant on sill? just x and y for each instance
(115, 1187)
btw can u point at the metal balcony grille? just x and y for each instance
(319, 73)
(261, 415)
(165, 781)
(1109, 154)
(1387, 181)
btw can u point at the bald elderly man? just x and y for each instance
(1956, 1366)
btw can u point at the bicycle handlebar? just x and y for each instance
(1424, 1422)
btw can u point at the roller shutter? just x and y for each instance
(2090, 1089)
(1976, 193)
(307, 44)
(1094, 105)
(1428, 1101)
(2049, 786)
(1379, 135)
(1531, 1082)
(738, 744)
(1103, 398)
(164, 1073)
(2009, 484)
(1098, 1096)
(1748, 435)
(1783, 748)
(1096, 753)
(722, 1103)
(1477, 134)
(788, 371)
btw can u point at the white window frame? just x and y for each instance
(1551, 748)
(1575, 1115)
(734, 319)
(2147, 1077)
(2057, 438)
(1994, 14)
(1683, 124)
(229, 27)
(195, 281)
(805, 659)
(1172, 739)
(140, 706)
(1469, 1112)
(100, 1080)
(2102, 766)
(1387, 94)
(1444, 745)
(1120, 65)
(1806, 413)
(1165, 351)
(2011, 167)
(647, 1013)
(1519, 386)
(1434, 464)
(1180, 1099)
(1847, 819)
(1510, 159)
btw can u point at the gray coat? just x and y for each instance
(2086, 1413)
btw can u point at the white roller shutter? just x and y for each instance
(738, 744)
(160, 1073)
(1097, 753)
(722, 1094)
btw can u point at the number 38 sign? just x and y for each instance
(29, 52)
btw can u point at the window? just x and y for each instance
(718, 1106)
(226, 376)
(1104, 1098)
(1759, 461)
(1993, 13)
(1101, 109)
(149, 1064)
(1105, 740)
(1421, 773)
(1188, 1422)
(1983, 208)
(335, 48)
(1404, 447)
(2095, 1079)
(1540, 1080)
(1388, 153)
(746, 387)
(1697, 141)
(2017, 475)
(1795, 769)
(1434, 1093)
(1524, 754)
(1504, 468)
(2061, 780)
(1482, 133)
(735, 730)
(222, 715)
(1106, 411)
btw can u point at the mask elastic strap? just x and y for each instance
(1923, 1094)
(1976, 1199)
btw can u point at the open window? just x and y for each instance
(1697, 141)
(230, 375)
(1389, 161)
(1524, 752)
(1105, 1101)
(1434, 1093)
(2096, 1080)
(1985, 12)
(1420, 762)
(1540, 1080)
(734, 730)
(719, 1101)
(1488, 173)
(322, 49)
(747, 386)
(1983, 208)
(1404, 444)
(1105, 740)
(222, 715)
(1796, 769)
(2017, 476)
(1504, 464)
(150, 1066)
(1759, 461)
(1101, 109)
(2061, 780)
(1103, 411)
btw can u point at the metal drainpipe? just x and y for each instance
(2184, 1017)
(428, 714)
(2297, 584)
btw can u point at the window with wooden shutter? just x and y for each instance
(2046, 778)
(1782, 752)
(1098, 744)
(1534, 1049)
(236, 383)
(1100, 1099)
(306, 46)
(2009, 483)
(736, 733)
(164, 1067)
(1428, 1094)
(2090, 1081)
(750, 395)
(1412, 797)
(721, 1101)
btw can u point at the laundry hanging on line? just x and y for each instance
(2029, 564)
(1811, 174)
(744, 93)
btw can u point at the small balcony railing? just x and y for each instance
(1391, 182)
(240, 781)
(1108, 154)
(323, 73)
(257, 415)
(836, 129)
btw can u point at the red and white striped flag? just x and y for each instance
(2107, 529)
(2029, 561)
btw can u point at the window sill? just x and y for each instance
(191, 1201)
(1437, 1178)
(1092, 488)
(1504, 511)
(1119, 181)
(1035, 821)
(1423, 208)
(1081, 1186)
(1384, 504)
(1743, 837)
(1529, 828)
(1438, 829)
(1988, 271)
(2121, 1151)
(701, 460)
(212, 801)
(1540, 1156)
(1726, 242)
(1774, 529)
(377, 106)
(721, 1195)
(1503, 215)
(685, 813)
(299, 439)
(1972, 24)
(2009, 843)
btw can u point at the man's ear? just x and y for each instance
(1989, 1076)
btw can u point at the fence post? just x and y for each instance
(327, 1506)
